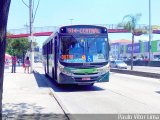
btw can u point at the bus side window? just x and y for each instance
(55, 46)
(55, 42)
(51, 46)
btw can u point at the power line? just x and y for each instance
(33, 9)
(25, 3)
(33, 5)
(36, 10)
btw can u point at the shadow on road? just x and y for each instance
(43, 81)
(157, 92)
(75, 88)
(25, 111)
(39, 79)
(21, 108)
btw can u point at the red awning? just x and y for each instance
(7, 56)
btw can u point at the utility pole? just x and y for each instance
(31, 35)
(150, 30)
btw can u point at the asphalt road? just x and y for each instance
(123, 94)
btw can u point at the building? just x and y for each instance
(118, 48)
(122, 49)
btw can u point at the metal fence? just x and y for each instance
(53, 28)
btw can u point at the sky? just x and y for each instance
(59, 13)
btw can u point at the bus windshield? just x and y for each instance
(84, 49)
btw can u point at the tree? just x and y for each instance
(4, 10)
(17, 46)
(129, 22)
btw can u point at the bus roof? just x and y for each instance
(83, 26)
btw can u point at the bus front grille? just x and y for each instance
(85, 73)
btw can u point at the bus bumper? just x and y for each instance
(65, 79)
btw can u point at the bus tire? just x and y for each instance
(53, 76)
(45, 72)
(91, 84)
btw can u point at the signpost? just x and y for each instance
(31, 35)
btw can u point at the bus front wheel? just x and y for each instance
(91, 84)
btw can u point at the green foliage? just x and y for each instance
(130, 21)
(17, 46)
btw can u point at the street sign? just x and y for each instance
(31, 38)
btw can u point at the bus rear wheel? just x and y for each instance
(45, 72)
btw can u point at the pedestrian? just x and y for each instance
(14, 61)
(18, 61)
(26, 64)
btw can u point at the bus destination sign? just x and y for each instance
(84, 30)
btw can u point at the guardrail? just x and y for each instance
(139, 73)
(53, 28)
(144, 63)
(136, 73)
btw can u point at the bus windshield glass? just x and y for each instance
(84, 49)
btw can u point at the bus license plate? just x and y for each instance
(86, 78)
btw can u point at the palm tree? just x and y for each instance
(129, 22)
(4, 9)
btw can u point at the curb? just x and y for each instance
(136, 73)
(55, 96)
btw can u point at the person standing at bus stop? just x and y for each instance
(26, 64)
(14, 60)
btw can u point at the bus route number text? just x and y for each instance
(65, 57)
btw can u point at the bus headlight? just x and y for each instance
(101, 71)
(104, 69)
(65, 71)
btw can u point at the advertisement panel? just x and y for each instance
(153, 46)
(114, 47)
(121, 49)
(145, 46)
(136, 48)
(158, 46)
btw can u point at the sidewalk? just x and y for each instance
(25, 94)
